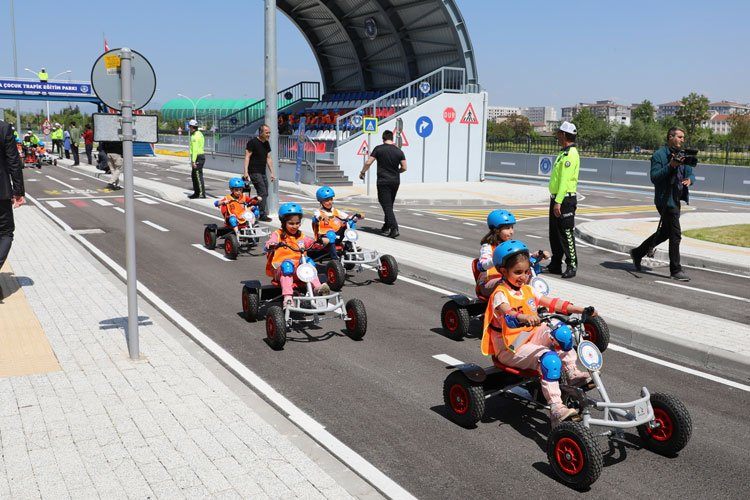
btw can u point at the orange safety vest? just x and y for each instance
(235, 207)
(332, 222)
(281, 253)
(490, 273)
(513, 338)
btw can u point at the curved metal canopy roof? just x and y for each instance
(382, 44)
(179, 109)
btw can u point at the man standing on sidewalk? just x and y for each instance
(671, 179)
(75, 139)
(57, 140)
(197, 160)
(391, 164)
(563, 183)
(11, 188)
(257, 156)
(88, 142)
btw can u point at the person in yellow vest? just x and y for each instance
(43, 76)
(563, 183)
(514, 336)
(57, 140)
(197, 160)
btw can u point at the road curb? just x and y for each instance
(662, 255)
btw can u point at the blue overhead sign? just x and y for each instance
(424, 126)
(83, 89)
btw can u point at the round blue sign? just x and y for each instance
(545, 166)
(357, 121)
(424, 87)
(424, 126)
(637, 149)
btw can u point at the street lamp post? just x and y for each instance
(195, 103)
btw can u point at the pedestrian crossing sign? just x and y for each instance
(363, 149)
(470, 116)
(370, 125)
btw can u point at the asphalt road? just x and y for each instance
(382, 396)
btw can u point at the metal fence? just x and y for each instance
(718, 154)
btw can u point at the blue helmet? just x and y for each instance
(287, 209)
(506, 249)
(41, 144)
(236, 182)
(324, 193)
(498, 218)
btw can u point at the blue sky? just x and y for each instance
(528, 52)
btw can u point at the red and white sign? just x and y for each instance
(449, 114)
(46, 127)
(363, 149)
(404, 140)
(470, 116)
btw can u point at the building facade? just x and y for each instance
(608, 110)
(729, 107)
(500, 113)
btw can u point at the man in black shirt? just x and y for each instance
(257, 156)
(11, 188)
(391, 164)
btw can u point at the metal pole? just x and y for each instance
(448, 156)
(271, 105)
(15, 65)
(126, 77)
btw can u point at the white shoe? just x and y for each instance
(323, 289)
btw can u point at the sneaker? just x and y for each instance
(559, 414)
(636, 260)
(323, 289)
(570, 272)
(288, 302)
(680, 276)
(394, 233)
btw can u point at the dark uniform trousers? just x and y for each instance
(669, 229)
(199, 187)
(562, 239)
(7, 227)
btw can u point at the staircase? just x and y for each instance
(329, 174)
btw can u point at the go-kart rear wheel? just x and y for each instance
(388, 270)
(455, 320)
(574, 455)
(463, 399)
(231, 246)
(250, 304)
(673, 425)
(275, 327)
(597, 331)
(335, 275)
(356, 325)
(209, 237)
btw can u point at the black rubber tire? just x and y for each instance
(464, 399)
(209, 237)
(455, 320)
(574, 455)
(679, 425)
(597, 331)
(388, 270)
(250, 304)
(335, 275)
(357, 326)
(231, 246)
(275, 328)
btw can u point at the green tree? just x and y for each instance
(693, 112)
(592, 130)
(499, 131)
(520, 125)
(740, 133)
(644, 112)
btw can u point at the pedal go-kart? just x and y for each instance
(306, 307)
(458, 312)
(30, 157)
(247, 236)
(351, 257)
(663, 422)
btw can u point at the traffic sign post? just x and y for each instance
(469, 118)
(424, 128)
(370, 125)
(364, 152)
(449, 115)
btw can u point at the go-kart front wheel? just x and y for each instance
(335, 275)
(209, 237)
(250, 304)
(356, 325)
(388, 270)
(574, 455)
(275, 327)
(672, 425)
(463, 399)
(597, 331)
(231, 246)
(455, 320)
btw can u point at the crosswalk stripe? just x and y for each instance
(148, 201)
(156, 226)
(55, 204)
(103, 203)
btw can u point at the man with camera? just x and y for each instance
(671, 174)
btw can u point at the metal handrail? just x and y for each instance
(406, 97)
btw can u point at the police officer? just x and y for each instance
(43, 76)
(197, 160)
(562, 206)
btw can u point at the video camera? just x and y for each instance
(686, 157)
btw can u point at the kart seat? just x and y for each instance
(475, 272)
(514, 371)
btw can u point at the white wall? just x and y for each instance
(437, 166)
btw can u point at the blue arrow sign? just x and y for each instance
(424, 126)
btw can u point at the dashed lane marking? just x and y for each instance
(174, 178)
(156, 226)
(441, 218)
(103, 203)
(55, 204)
(702, 290)
(210, 252)
(533, 236)
(121, 210)
(448, 360)
(148, 201)
(469, 224)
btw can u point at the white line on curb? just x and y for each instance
(448, 360)
(314, 429)
(156, 226)
(210, 252)
(703, 291)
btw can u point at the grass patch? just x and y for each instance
(737, 235)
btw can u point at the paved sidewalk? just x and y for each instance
(104, 426)
(625, 234)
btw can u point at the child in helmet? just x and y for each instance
(514, 336)
(234, 206)
(284, 248)
(329, 223)
(501, 224)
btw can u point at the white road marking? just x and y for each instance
(585, 219)
(103, 203)
(702, 290)
(314, 429)
(448, 360)
(401, 226)
(639, 174)
(374, 206)
(55, 204)
(581, 243)
(533, 236)
(148, 201)
(75, 178)
(610, 197)
(635, 199)
(441, 218)
(721, 210)
(156, 226)
(121, 210)
(150, 173)
(174, 178)
(210, 252)
(418, 214)
(68, 186)
(89, 231)
(155, 179)
(31, 180)
(469, 224)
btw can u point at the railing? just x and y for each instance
(404, 98)
(288, 147)
(183, 140)
(302, 91)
